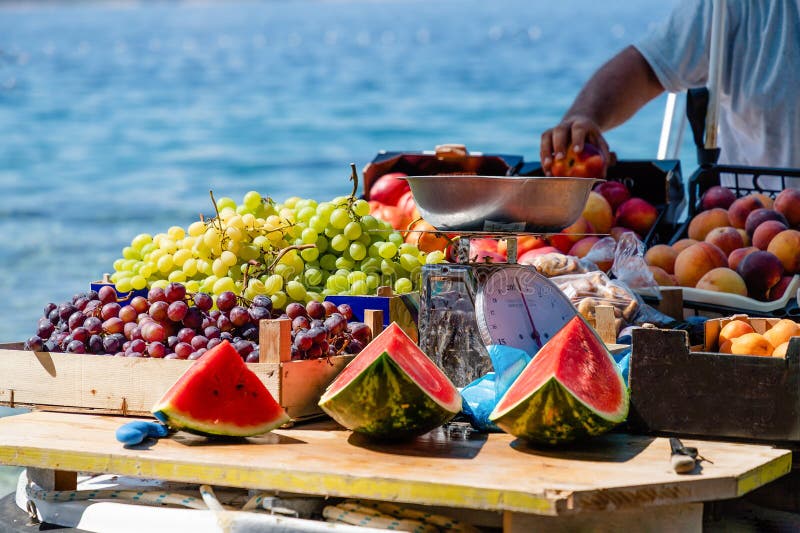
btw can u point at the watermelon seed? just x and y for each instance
(239, 386)
(216, 392)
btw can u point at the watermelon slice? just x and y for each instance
(391, 390)
(219, 395)
(570, 390)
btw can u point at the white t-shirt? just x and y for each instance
(760, 86)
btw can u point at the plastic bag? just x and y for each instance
(587, 291)
(629, 265)
(556, 264)
(602, 253)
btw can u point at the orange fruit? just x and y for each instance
(751, 344)
(733, 329)
(782, 331)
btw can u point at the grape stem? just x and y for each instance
(352, 198)
(287, 249)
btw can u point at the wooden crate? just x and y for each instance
(131, 386)
(675, 390)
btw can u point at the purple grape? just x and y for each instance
(65, 310)
(76, 347)
(215, 314)
(92, 295)
(336, 323)
(107, 294)
(317, 323)
(294, 310)
(330, 307)
(50, 307)
(156, 294)
(213, 342)
(203, 301)
(175, 292)
(80, 334)
(250, 333)
(93, 325)
(50, 346)
(262, 301)
(208, 322)
(96, 344)
(177, 310)
(300, 323)
(92, 307)
(35, 344)
(258, 313)
(75, 320)
(172, 340)
(156, 350)
(45, 329)
(128, 314)
(183, 350)
(140, 303)
(109, 310)
(171, 355)
(80, 303)
(252, 357)
(111, 344)
(197, 342)
(314, 352)
(53, 317)
(346, 311)
(138, 345)
(360, 332)
(136, 333)
(224, 323)
(194, 355)
(318, 335)
(243, 347)
(303, 341)
(211, 332)
(186, 334)
(226, 336)
(315, 309)
(158, 310)
(354, 347)
(239, 316)
(226, 301)
(194, 318)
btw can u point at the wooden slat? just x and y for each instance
(303, 382)
(491, 472)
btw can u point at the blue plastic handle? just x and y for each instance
(135, 432)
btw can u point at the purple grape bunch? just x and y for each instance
(168, 324)
(325, 329)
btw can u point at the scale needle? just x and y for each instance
(536, 337)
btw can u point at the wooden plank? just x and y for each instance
(373, 318)
(50, 479)
(491, 472)
(672, 303)
(605, 323)
(275, 341)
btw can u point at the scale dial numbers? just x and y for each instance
(516, 306)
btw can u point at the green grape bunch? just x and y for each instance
(295, 251)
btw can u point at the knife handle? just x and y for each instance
(682, 464)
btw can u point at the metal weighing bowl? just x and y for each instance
(500, 203)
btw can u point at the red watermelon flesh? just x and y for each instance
(572, 388)
(219, 395)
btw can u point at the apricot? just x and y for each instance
(733, 329)
(745, 236)
(765, 232)
(695, 261)
(571, 234)
(766, 200)
(663, 256)
(582, 247)
(717, 196)
(760, 271)
(598, 212)
(736, 256)
(636, 214)
(683, 244)
(751, 344)
(759, 216)
(725, 347)
(704, 222)
(726, 239)
(786, 247)
(663, 278)
(780, 350)
(782, 331)
(738, 211)
(722, 279)
(787, 203)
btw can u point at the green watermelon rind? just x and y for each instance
(384, 402)
(553, 415)
(176, 420)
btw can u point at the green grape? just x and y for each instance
(248, 252)
(324, 209)
(322, 244)
(365, 239)
(328, 262)
(128, 264)
(129, 252)
(165, 264)
(160, 284)
(284, 270)
(369, 222)
(309, 236)
(278, 300)
(361, 208)
(357, 250)
(309, 254)
(356, 275)
(409, 262)
(273, 283)
(332, 232)
(436, 256)
(197, 228)
(256, 286)
(218, 268)
(396, 238)
(248, 220)
(291, 201)
(387, 268)
(403, 285)
(370, 265)
(225, 202)
(387, 250)
(175, 275)
(373, 280)
(339, 243)
(147, 270)
(313, 277)
(408, 248)
(138, 282)
(228, 258)
(155, 255)
(296, 263)
(207, 285)
(181, 256)
(374, 250)
(176, 233)
(359, 288)
(252, 199)
(317, 223)
(295, 291)
(352, 230)
(261, 242)
(328, 292)
(344, 263)
(140, 240)
(338, 282)
(192, 285)
(305, 213)
(211, 238)
(339, 218)
(116, 276)
(123, 285)
(314, 295)
(224, 284)
(342, 272)
(204, 266)
(118, 264)
(189, 267)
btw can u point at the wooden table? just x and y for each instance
(616, 481)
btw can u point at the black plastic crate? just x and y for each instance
(741, 180)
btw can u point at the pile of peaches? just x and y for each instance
(748, 246)
(738, 337)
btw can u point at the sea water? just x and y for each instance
(118, 118)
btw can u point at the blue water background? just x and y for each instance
(117, 118)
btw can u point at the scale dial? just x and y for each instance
(516, 306)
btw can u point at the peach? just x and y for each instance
(704, 222)
(683, 244)
(759, 216)
(787, 203)
(725, 347)
(722, 279)
(663, 256)
(726, 239)
(779, 289)
(695, 261)
(751, 344)
(571, 234)
(765, 232)
(598, 212)
(760, 271)
(582, 247)
(766, 200)
(742, 207)
(736, 256)
(524, 244)
(617, 231)
(745, 236)
(717, 196)
(780, 350)
(614, 192)
(636, 214)
(662, 277)
(786, 247)
(733, 329)
(782, 331)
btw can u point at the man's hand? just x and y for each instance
(573, 130)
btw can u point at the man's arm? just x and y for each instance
(611, 96)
